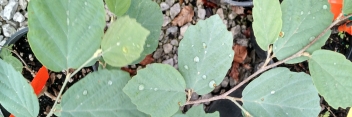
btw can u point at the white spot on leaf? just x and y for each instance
(85, 92)
(272, 92)
(141, 87)
(186, 67)
(212, 84)
(196, 59)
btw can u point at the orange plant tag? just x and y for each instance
(39, 80)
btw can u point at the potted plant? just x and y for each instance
(59, 37)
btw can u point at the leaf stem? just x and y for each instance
(69, 75)
(25, 65)
(298, 54)
(268, 57)
(234, 100)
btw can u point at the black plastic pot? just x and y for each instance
(14, 38)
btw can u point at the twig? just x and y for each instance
(298, 54)
(52, 97)
(268, 57)
(69, 75)
(25, 65)
(189, 94)
(328, 108)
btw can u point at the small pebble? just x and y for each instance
(157, 53)
(18, 17)
(8, 30)
(184, 29)
(9, 10)
(174, 10)
(170, 2)
(172, 30)
(201, 13)
(174, 42)
(220, 12)
(167, 48)
(164, 6)
(169, 61)
(167, 20)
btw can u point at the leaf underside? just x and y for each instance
(67, 33)
(347, 7)
(267, 22)
(332, 74)
(204, 44)
(157, 87)
(303, 20)
(16, 95)
(118, 7)
(281, 93)
(99, 94)
(120, 45)
(149, 15)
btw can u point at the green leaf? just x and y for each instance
(303, 20)
(347, 7)
(281, 93)
(58, 109)
(16, 95)
(205, 54)
(332, 74)
(123, 42)
(14, 62)
(99, 94)
(67, 33)
(157, 90)
(4, 51)
(118, 7)
(197, 111)
(149, 15)
(267, 22)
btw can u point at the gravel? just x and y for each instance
(8, 30)
(164, 6)
(167, 48)
(12, 17)
(9, 10)
(174, 10)
(18, 17)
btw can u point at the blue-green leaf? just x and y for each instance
(17, 64)
(281, 93)
(149, 15)
(267, 22)
(205, 54)
(99, 94)
(16, 95)
(158, 90)
(332, 76)
(118, 7)
(347, 7)
(303, 20)
(121, 45)
(64, 34)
